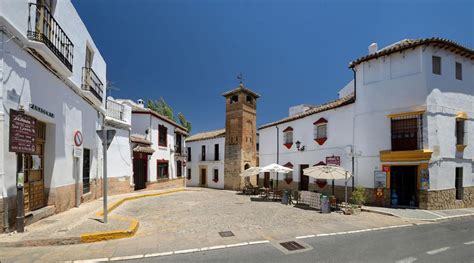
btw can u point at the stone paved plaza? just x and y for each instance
(194, 218)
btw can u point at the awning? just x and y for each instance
(143, 149)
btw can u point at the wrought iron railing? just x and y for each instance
(115, 110)
(44, 28)
(407, 133)
(92, 83)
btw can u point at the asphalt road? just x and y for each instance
(451, 241)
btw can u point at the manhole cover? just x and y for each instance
(291, 246)
(226, 234)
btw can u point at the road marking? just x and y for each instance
(237, 245)
(436, 251)
(303, 237)
(259, 242)
(322, 235)
(216, 247)
(126, 257)
(407, 260)
(186, 251)
(469, 243)
(159, 254)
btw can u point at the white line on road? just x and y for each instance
(259, 242)
(126, 257)
(436, 251)
(187, 251)
(407, 260)
(159, 254)
(303, 237)
(469, 243)
(237, 245)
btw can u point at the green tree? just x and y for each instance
(185, 122)
(161, 107)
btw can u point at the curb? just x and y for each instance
(441, 218)
(97, 236)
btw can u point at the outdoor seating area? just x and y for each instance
(301, 199)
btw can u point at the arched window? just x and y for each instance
(288, 137)
(234, 99)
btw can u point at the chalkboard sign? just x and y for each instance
(22, 132)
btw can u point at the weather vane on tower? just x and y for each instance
(240, 77)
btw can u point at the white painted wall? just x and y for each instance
(34, 83)
(210, 163)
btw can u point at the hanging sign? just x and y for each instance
(22, 133)
(333, 160)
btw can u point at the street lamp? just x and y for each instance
(299, 147)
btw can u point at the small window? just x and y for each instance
(162, 136)
(189, 174)
(216, 152)
(189, 154)
(288, 137)
(162, 170)
(320, 131)
(458, 71)
(179, 169)
(203, 153)
(234, 99)
(458, 184)
(216, 175)
(436, 65)
(460, 132)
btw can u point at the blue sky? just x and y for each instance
(291, 52)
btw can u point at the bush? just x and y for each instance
(358, 196)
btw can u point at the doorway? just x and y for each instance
(403, 184)
(140, 165)
(266, 180)
(203, 177)
(86, 168)
(304, 179)
(34, 197)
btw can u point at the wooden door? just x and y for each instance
(304, 179)
(203, 180)
(266, 180)
(34, 196)
(140, 163)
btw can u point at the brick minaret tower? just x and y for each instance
(241, 135)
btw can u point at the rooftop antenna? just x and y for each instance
(240, 77)
(109, 87)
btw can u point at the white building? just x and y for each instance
(50, 67)
(158, 149)
(205, 159)
(407, 117)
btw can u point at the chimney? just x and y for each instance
(140, 103)
(373, 48)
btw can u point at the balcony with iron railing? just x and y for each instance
(42, 27)
(115, 110)
(92, 86)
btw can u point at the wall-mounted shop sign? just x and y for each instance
(333, 160)
(22, 132)
(380, 179)
(41, 110)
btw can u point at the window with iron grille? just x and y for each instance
(458, 71)
(179, 169)
(162, 171)
(407, 133)
(458, 183)
(203, 153)
(436, 64)
(460, 132)
(162, 138)
(320, 131)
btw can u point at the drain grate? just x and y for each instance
(292, 246)
(226, 234)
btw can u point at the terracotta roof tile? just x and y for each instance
(136, 109)
(206, 135)
(316, 109)
(412, 43)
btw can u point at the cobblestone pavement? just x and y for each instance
(194, 218)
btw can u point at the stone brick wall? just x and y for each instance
(446, 199)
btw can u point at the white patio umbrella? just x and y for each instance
(329, 172)
(250, 172)
(275, 169)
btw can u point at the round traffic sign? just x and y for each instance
(78, 138)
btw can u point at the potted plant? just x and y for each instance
(358, 199)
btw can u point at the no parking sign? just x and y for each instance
(78, 139)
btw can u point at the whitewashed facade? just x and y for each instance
(44, 70)
(206, 169)
(163, 157)
(431, 83)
